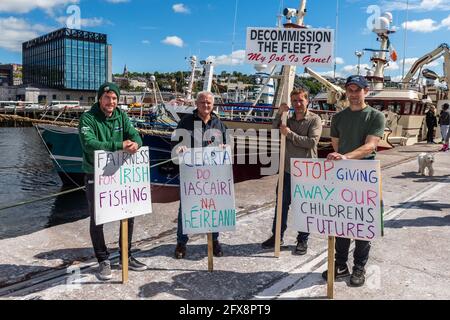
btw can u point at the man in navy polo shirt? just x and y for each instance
(205, 130)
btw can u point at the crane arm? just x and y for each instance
(443, 49)
(324, 81)
(336, 95)
(447, 67)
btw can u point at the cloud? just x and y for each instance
(173, 41)
(417, 5)
(410, 61)
(397, 78)
(145, 42)
(339, 60)
(330, 74)
(353, 69)
(393, 66)
(446, 23)
(15, 31)
(236, 58)
(180, 8)
(436, 63)
(25, 6)
(117, 1)
(423, 26)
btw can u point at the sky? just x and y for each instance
(160, 35)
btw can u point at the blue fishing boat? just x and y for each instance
(64, 147)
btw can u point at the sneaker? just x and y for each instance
(358, 277)
(270, 243)
(339, 272)
(134, 264)
(180, 251)
(104, 270)
(301, 248)
(217, 249)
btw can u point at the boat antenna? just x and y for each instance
(280, 14)
(234, 32)
(335, 37)
(404, 42)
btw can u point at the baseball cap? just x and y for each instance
(360, 81)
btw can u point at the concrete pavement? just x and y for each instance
(409, 262)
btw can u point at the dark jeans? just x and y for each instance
(360, 255)
(184, 238)
(430, 134)
(286, 202)
(97, 236)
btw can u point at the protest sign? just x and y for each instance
(122, 185)
(337, 198)
(207, 190)
(290, 46)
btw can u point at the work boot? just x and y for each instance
(270, 243)
(180, 251)
(358, 278)
(217, 249)
(301, 248)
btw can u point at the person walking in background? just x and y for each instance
(431, 121)
(444, 121)
(446, 138)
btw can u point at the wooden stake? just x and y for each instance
(330, 276)
(124, 251)
(381, 201)
(210, 252)
(280, 188)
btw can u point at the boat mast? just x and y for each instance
(288, 72)
(192, 78)
(209, 72)
(379, 58)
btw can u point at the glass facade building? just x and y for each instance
(67, 59)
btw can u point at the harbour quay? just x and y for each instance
(408, 262)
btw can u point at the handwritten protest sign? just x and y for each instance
(337, 198)
(122, 185)
(286, 46)
(207, 190)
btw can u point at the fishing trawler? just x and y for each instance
(404, 104)
(63, 145)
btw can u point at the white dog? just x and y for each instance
(426, 160)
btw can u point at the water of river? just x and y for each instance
(26, 173)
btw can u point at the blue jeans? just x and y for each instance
(183, 238)
(286, 202)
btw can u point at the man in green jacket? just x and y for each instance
(105, 127)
